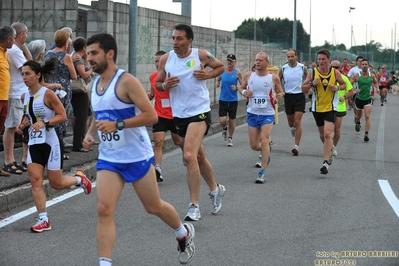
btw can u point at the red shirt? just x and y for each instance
(383, 78)
(344, 70)
(161, 100)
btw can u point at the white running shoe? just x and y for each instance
(193, 213)
(293, 129)
(186, 245)
(216, 200)
(224, 135)
(229, 142)
(334, 151)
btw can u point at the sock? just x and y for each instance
(79, 180)
(181, 232)
(105, 261)
(231, 138)
(225, 128)
(43, 216)
(366, 132)
(261, 172)
(215, 192)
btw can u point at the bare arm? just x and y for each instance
(71, 68)
(277, 87)
(208, 60)
(26, 52)
(306, 86)
(161, 77)
(80, 69)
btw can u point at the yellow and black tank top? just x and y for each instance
(324, 99)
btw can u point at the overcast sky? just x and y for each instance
(330, 20)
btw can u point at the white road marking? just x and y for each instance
(389, 195)
(379, 164)
(20, 215)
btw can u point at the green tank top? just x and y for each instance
(364, 84)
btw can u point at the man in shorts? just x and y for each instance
(261, 108)
(324, 82)
(182, 72)
(228, 99)
(343, 94)
(364, 80)
(125, 152)
(16, 59)
(294, 99)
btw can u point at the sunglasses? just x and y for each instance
(336, 67)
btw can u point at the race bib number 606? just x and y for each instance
(114, 140)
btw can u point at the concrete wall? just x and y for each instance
(155, 28)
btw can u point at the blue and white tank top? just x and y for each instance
(191, 96)
(123, 146)
(262, 100)
(227, 94)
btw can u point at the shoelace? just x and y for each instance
(38, 220)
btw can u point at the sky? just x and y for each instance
(326, 20)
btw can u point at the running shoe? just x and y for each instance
(324, 168)
(41, 226)
(334, 151)
(216, 200)
(193, 213)
(186, 245)
(357, 127)
(295, 150)
(293, 129)
(261, 177)
(331, 159)
(229, 142)
(224, 134)
(85, 182)
(366, 137)
(158, 173)
(259, 162)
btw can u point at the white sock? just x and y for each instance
(215, 192)
(43, 216)
(105, 261)
(181, 231)
(79, 180)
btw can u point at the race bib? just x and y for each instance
(259, 101)
(37, 137)
(383, 79)
(165, 103)
(114, 140)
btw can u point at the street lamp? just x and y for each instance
(350, 11)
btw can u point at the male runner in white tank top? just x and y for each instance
(182, 72)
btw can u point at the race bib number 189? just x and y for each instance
(114, 140)
(259, 101)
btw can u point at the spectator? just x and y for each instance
(64, 72)
(16, 59)
(80, 101)
(7, 37)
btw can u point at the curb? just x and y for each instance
(22, 195)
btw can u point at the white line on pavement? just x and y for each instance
(389, 195)
(20, 215)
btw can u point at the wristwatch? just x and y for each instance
(46, 122)
(120, 124)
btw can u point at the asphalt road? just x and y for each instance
(298, 217)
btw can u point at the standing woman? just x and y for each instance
(63, 73)
(42, 111)
(80, 100)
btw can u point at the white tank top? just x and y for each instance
(37, 111)
(293, 77)
(262, 100)
(191, 96)
(136, 144)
